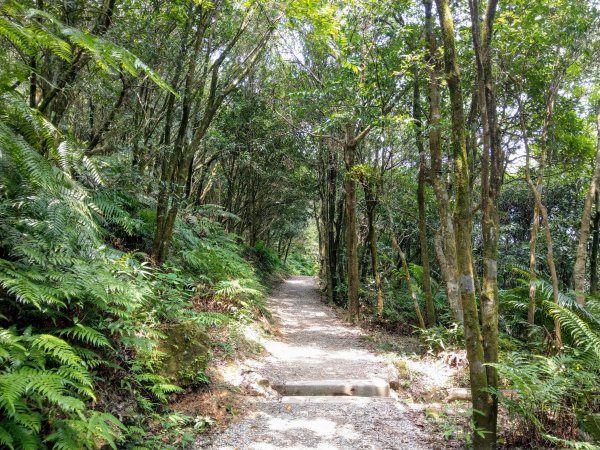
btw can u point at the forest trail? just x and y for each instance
(314, 345)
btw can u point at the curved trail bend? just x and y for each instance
(315, 345)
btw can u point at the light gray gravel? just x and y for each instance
(315, 345)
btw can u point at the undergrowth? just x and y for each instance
(548, 398)
(84, 311)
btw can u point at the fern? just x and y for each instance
(582, 334)
(158, 385)
(32, 393)
(30, 29)
(85, 334)
(547, 388)
(233, 288)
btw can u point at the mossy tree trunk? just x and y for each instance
(584, 228)
(594, 251)
(351, 234)
(429, 306)
(446, 252)
(484, 417)
(492, 163)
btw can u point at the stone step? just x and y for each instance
(357, 388)
(334, 400)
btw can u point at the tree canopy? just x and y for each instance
(435, 163)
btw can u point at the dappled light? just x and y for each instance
(300, 224)
(336, 385)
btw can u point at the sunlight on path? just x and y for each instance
(315, 345)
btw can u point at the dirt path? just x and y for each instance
(315, 345)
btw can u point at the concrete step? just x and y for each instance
(357, 388)
(335, 400)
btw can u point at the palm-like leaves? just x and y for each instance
(32, 30)
(54, 265)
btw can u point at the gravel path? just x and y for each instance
(315, 345)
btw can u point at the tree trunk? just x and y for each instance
(371, 203)
(594, 252)
(491, 180)
(584, 229)
(324, 225)
(338, 263)
(429, 306)
(552, 267)
(406, 272)
(351, 236)
(364, 253)
(436, 179)
(535, 227)
(483, 403)
(287, 250)
(330, 223)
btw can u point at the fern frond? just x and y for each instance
(59, 349)
(85, 334)
(231, 288)
(582, 334)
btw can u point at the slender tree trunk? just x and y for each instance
(331, 209)
(33, 87)
(323, 257)
(209, 184)
(339, 235)
(189, 178)
(483, 403)
(429, 306)
(409, 286)
(351, 235)
(371, 201)
(404, 265)
(287, 250)
(324, 225)
(436, 179)
(535, 226)
(552, 267)
(584, 230)
(364, 253)
(594, 252)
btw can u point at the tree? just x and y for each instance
(446, 249)
(584, 229)
(205, 89)
(482, 380)
(354, 91)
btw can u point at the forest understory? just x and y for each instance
(434, 164)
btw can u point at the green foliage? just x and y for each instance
(553, 395)
(550, 393)
(437, 339)
(264, 257)
(81, 307)
(45, 384)
(584, 334)
(399, 310)
(300, 263)
(32, 30)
